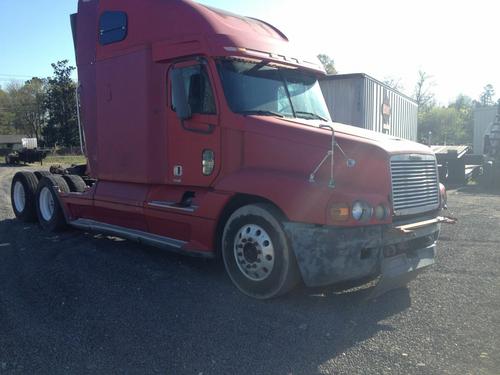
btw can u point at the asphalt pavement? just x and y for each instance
(78, 302)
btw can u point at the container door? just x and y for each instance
(193, 143)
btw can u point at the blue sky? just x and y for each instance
(455, 42)
(34, 34)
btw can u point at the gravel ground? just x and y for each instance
(84, 303)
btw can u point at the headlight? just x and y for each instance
(361, 211)
(381, 212)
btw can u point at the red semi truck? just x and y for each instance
(207, 133)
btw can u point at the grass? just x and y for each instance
(65, 160)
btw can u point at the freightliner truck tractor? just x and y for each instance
(206, 133)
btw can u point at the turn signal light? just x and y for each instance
(207, 162)
(340, 212)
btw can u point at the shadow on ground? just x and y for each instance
(78, 302)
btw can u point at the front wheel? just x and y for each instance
(256, 252)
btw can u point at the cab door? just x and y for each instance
(194, 142)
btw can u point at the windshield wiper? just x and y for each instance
(311, 114)
(261, 112)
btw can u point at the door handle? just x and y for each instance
(209, 128)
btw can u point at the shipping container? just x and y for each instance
(483, 118)
(361, 100)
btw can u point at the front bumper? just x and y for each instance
(329, 255)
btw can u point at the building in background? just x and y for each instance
(361, 100)
(483, 118)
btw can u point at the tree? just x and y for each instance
(328, 63)
(27, 106)
(6, 114)
(393, 83)
(441, 121)
(423, 94)
(62, 127)
(465, 108)
(451, 125)
(486, 97)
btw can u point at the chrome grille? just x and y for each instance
(415, 185)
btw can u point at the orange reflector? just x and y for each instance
(340, 212)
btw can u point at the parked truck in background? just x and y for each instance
(27, 153)
(207, 133)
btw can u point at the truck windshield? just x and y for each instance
(268, 90)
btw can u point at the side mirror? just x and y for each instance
(179, 95)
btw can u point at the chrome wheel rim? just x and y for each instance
(254, 252)
(46, 203)
(19, 196)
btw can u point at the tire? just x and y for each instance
(256, 252)
(23, 196)
(40, 174)
(49, 211)
(75, 183)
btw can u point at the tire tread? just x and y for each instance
(30, 183)
(75, 183)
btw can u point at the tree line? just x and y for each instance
(45, 108)
(451, 124)
(42, 108)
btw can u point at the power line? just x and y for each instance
(16, 75)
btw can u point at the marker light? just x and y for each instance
(207, 162)
(443, 197)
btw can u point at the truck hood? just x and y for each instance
(273, 140)
(392, 145)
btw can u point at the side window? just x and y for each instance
(112, 27)
(198, 90)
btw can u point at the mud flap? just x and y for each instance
(397, 271)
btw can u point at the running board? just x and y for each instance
(155, 240)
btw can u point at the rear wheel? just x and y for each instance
(256, 252)
(40, 174)
(23, 196)
(49, 210)
(75, 183)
